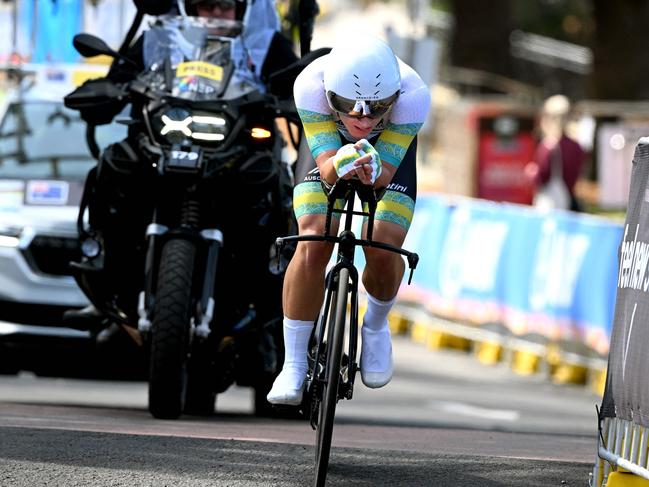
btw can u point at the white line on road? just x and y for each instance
(463, 409)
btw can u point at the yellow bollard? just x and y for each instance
(598, 381)
(570, 374)
(419, 332)
(553, 357)
(399, 324)
(489, 353)
(438, 339)
(525, 362)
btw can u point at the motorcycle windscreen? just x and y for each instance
(188, 58)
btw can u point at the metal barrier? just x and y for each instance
(621, 444)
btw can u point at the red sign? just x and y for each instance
(502, 157)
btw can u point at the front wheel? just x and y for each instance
(170, 330)
(327, 407)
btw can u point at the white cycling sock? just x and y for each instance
(376, 315)
(296, 341)
(376, 350)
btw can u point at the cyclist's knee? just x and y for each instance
(381, 260)
(389, 233)
(314, 255)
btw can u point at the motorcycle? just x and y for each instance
(177, 223)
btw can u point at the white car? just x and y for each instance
(44, 161)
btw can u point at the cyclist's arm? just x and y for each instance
(324, 160)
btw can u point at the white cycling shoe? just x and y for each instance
(288, 388)
(376, 357)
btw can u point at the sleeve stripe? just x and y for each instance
(390, 137)
(312, 128)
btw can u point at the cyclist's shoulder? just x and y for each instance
(413, 103)
(308, 89)
(313, 72)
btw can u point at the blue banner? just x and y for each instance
(554, 274)
(52, 24)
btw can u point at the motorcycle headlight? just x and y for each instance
(175, 125)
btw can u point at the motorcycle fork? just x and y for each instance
(146, 298)
(213, 238)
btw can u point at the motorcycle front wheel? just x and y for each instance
(170, 330)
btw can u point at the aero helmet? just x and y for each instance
(362, 80)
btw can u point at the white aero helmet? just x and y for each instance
(362, 79)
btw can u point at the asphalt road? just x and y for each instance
(444, 420)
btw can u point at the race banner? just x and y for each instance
(626, 395)
(548, 273)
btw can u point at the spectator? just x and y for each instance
(556, 155)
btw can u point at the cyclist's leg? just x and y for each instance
(303, 289)
(384, 271)
(381, 278)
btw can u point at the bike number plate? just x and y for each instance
(184, 159)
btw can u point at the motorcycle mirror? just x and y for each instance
(88, 46)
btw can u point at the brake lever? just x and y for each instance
(413, 260)
(279, 247)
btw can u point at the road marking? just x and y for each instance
(464, 409)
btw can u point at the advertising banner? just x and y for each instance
(626, 395)
(552, 274)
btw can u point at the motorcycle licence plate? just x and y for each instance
(184, 159)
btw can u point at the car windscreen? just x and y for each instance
(47, 140)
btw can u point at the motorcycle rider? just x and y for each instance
(358, 99)
(275, 49)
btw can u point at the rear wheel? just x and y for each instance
(170, 330)
(327, 407)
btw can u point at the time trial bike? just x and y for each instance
(332, 369)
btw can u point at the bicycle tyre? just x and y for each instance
(327, 407)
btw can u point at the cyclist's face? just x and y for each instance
(218, 10)
(359, 128)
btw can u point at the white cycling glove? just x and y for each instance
(344, 159)
(375, 163)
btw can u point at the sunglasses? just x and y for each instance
(360, 108)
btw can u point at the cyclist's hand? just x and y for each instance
(374, 164)
(348, 162)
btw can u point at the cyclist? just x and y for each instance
(361, 108)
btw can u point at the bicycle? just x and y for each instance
(331, 372)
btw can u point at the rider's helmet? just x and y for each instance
(239, 6)
(362, 80)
